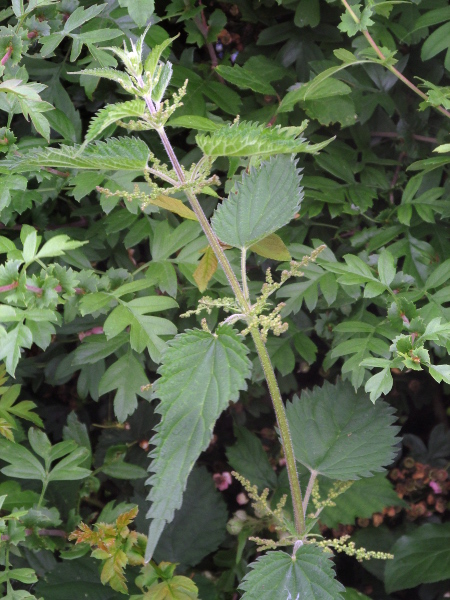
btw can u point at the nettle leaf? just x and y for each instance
(202, 516)
(126, 153)
(252, 139)
(200, 375)
(339, 433)
(307, 575)
(266, 199)
(363, 498)
(112, 113)
(272, 247)
(248, 458)
(422, 556)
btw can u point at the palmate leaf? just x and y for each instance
(125, 153)
(112, 113)
(200, 375)
(339, 433)
(266, 199)
(252, 139)
(307, 576)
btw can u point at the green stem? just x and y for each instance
(285, 434)
(244, 274)
(391, 68)
(261, 349)
(309, 490)
(44, 489)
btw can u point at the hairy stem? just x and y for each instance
(391, 68)
(261, 349)
(285, 434)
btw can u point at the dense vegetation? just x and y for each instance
(193, 197)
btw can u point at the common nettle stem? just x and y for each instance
(391, 68)
(261, 349)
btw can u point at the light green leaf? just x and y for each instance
(422, 556)
(141, 11)
(126, 376)
(200, 375)
(440, 372)
(308, 575)
(379, 384)
(23, 464)
(338, 433)
(112, 113)
(194, 122)
(11, 345)
(57, 246)
(127, 154)
(386, 267)
(248, 458)
(69, 469)
(272, 247)
(80, 15)
(252, 139)
(265, 200)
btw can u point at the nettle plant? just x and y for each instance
(334, 432)
(373, 315)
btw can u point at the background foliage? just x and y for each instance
(92, 289)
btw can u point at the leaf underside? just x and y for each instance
(127, 154)
(309, 576)
(253, 139)
(266, 199)
(200, 375)
(339, 433)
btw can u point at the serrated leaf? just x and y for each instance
(262, 202)
(422, 556)
(194, 122)
(245, 79)
(252, 139)
(126, 376)
(58, 246)
(248, 458)
(206, 269)
(379, 384)
(128, 154)
(203, 516)
(307, 576)
(201, 373)
(112, 113)
(339, 433)
(272, 247)
(363, 498)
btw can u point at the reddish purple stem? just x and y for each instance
(9, 287)
(7, 56)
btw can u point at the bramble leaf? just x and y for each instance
(200, 374)
(422, 556)
(308, 575)
(266, 199)
(339, 433)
